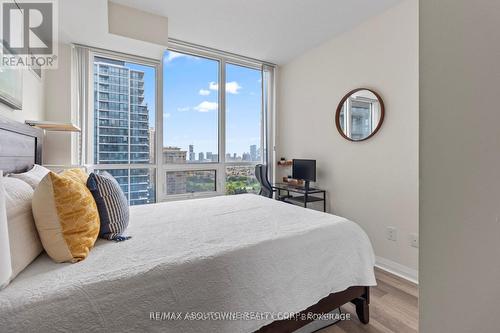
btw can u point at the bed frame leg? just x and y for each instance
(363, 306)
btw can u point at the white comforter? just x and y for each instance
(232, 253)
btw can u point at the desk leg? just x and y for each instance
(324, 202)
(305, 200)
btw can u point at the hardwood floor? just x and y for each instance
(393, 308)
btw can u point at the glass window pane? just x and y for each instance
(241, 179)
(243, 113)
(181, 182)
(137, 184)
(361, 120)
(190, 109)
(124, 112)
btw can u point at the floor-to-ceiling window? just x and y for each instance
(192, 125)
(244, 128)
(124, 113)
(213, 124)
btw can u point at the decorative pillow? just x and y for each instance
(66, 215)
(5, 264)
(112, 205)
(33, 176)
(24, 242)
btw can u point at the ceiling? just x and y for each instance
(271, 30)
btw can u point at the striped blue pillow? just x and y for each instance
(112, 205)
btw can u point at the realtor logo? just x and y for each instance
(29, 33)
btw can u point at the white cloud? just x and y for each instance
(204, 92)
(206, 106)
(232, 87)
(166, 115)
(213, 86)
(174, 55)
(183, 109)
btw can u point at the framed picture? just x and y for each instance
(11, 86)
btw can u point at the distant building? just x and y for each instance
(228, 157)
(176, 180)
(209, 156)
(192, 156)
(173, 155)
(215, 158)
(201, 158)
(247, 157)
(253, 153)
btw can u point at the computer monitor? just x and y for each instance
(304, 169)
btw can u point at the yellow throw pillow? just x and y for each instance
(66, 215)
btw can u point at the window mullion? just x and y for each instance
(160, 191)
(221, 174)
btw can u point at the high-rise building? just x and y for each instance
(122, 134)
(253, 152)
(152, 140)
(176, 180)
(209, 156)
(173, 155)
(192, 156)
(201, 158)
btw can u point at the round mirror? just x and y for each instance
(359, 114)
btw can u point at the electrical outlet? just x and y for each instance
(392, 234)
(414, 240)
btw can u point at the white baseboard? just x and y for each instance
(392, 267)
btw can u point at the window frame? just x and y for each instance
(89, 153)
(267, 151)
(220, 166)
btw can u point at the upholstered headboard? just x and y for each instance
(20, 146)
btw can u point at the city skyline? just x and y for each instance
(194, 156)
(190, 110)
(125, 129)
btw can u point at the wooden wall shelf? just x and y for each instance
(285, 163)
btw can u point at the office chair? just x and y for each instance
(266, 188)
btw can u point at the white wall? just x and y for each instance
(459, 166)
(374, 183)
(58, 108)
(33, 99)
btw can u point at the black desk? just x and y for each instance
(304, 197)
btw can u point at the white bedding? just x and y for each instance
(231, 253)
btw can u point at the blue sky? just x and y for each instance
(190, 104)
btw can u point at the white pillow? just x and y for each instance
(25, 244)
(33, 177)
(5, 264)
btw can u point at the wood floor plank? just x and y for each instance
(397, 282)
(393, 308)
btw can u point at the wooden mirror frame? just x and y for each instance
(341, 104)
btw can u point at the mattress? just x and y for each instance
(190, 264)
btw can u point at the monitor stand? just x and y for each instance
(306, 185)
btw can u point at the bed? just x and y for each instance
(246, 258)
